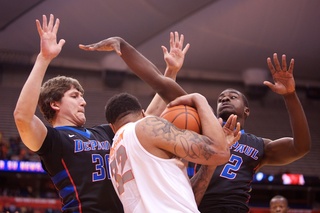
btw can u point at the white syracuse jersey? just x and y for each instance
(146, 183)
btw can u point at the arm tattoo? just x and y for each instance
(193, 144)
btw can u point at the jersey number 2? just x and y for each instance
(229, 170)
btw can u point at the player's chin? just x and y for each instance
(81, 120)
(224, 114)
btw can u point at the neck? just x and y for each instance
(126, 119)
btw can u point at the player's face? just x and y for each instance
(278, 206)
(72, 108)
(230, 102)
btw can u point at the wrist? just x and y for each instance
(290, 95)
(171, 73)
(43, 58)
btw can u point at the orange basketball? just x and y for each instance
(183, 117)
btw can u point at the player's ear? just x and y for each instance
(112, 127)
(143, 113)
(55, 105)
(246, 111)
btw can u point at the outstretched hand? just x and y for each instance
(175, 58)
(49, 48)
(283, 78)
(110, 44)
(231, 130)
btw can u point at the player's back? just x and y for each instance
(146, 183)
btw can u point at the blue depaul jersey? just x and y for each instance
(76, 159)
(230, 186)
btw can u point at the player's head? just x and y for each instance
(279, 204)
(121, 105)
(231, 101)
(52, 91)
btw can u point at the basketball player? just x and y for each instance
(279, 204)
(75, 157)
(230, 186)
(146, 163)
(147, 157)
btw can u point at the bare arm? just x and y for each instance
(174, 60)
(163, 139)
(202, 178)
(31, 129)
(167, 88)
(286, 150)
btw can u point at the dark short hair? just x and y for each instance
(245, 100)
(121, 105)
(53, 90)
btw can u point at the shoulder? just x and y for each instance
(103, 128)
(249, 136)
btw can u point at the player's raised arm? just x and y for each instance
(287, 149)
(141, 66)
(31, 129)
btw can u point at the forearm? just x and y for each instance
(157, 105)
(211, 128)
(29, 95)
(299, 123)
(167, 88)
(200, 181)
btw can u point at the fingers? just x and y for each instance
(52, 26)
(291, 66)
(44, 22)
(56, 26)
(183, 100)
(179, 41)
(270, 65)
(284, 63)
(231, 120)
(38, 24)
(186, 48)
(176, 41)
(237, 131)
(86, 47)
(51, 21)
(276, 62)
(171, 40)
(278, 67)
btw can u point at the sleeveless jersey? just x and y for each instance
(146, 183)
(76, 159)
(230, 185)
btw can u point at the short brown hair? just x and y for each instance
(53, 90)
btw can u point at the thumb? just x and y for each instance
(61, 42)
(269, 84)
(116, 48)
(164, 49)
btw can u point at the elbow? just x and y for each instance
(221, 158)
(19, 117)
(305, 150)
(225, 158)
(304, 146)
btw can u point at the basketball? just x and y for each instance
(183, 117)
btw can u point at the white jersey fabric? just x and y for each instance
(146, 183)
